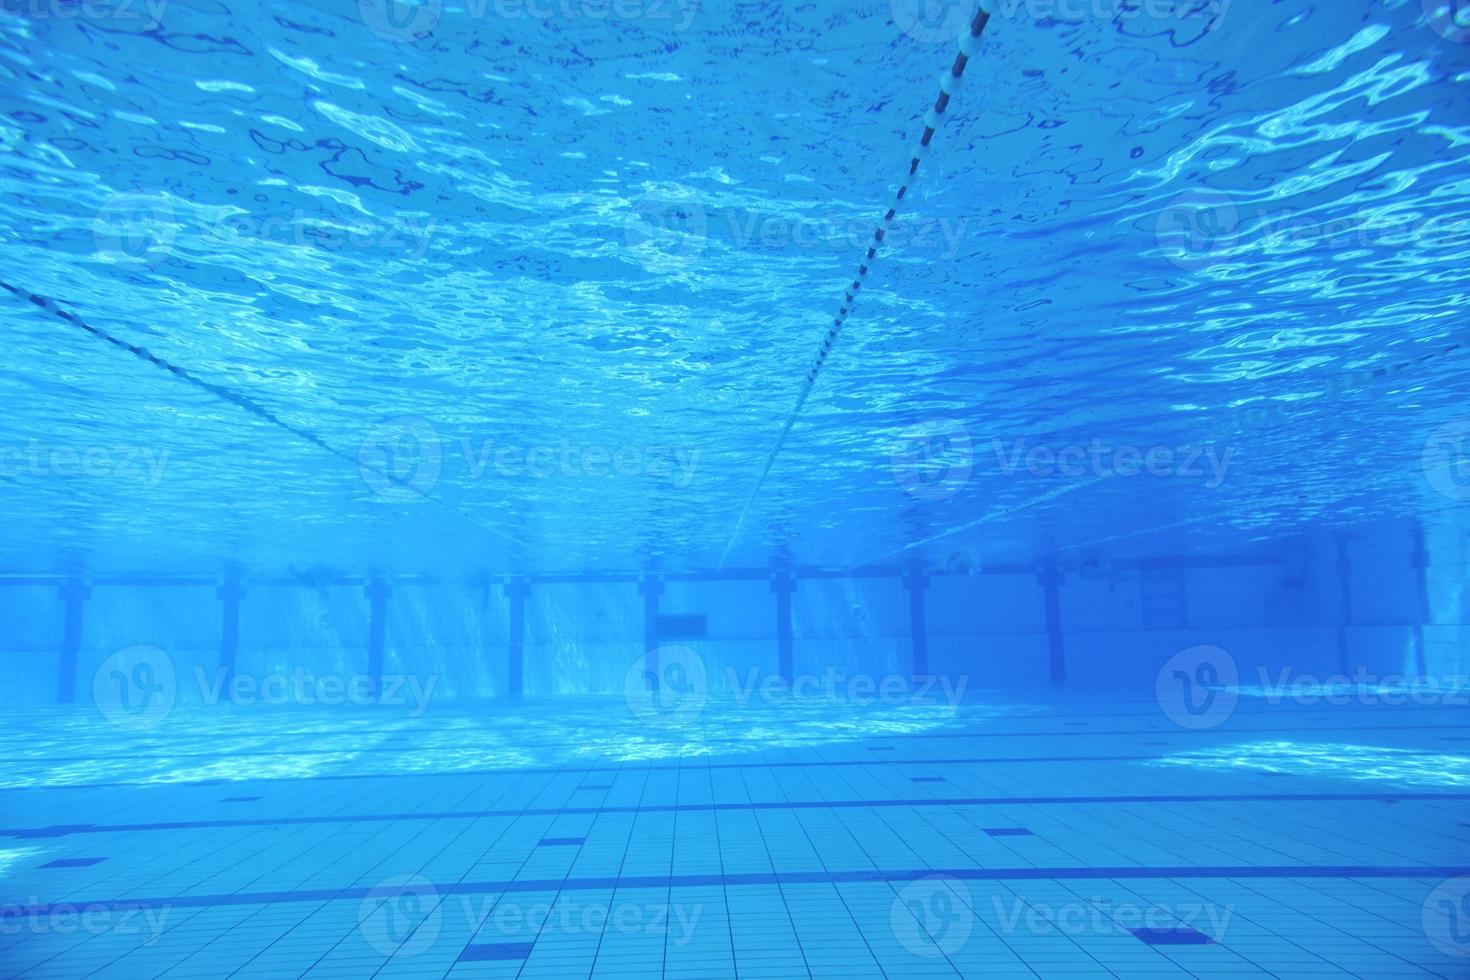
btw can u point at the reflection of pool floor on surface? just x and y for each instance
(1038, 836)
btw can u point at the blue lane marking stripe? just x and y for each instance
(10, 912)
(1177, 936)
(480, 952)
(73, 862)
(716, 807)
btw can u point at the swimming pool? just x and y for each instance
(690, 488)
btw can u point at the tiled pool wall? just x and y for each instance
(1380, 602)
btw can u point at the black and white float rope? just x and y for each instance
(242, 401)
(949, 84)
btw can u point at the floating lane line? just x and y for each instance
(949, 84)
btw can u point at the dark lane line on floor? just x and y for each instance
(9, 912)
(64, 830)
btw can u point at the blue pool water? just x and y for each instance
(697, 488)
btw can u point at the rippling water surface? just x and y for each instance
(461, 284)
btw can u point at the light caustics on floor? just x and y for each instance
(1003, 836)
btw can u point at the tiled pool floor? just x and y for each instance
(1013, 837)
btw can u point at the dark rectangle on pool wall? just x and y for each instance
(1009, 832)
(74, 862)
(683, 626)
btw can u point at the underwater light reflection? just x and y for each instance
(477, 737)
(10, 857)
(1336, 760)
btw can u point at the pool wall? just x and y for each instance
(1388, 599)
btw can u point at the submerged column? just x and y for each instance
(74, 593)
(650, 587)
(917, 583)
(230, 594)
(782, 584)
(1345, 597)
(377, 592)
(516, 590)
(1051, 583)
(1420, 559)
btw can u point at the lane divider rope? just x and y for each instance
(236, 398)
(949, 84)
